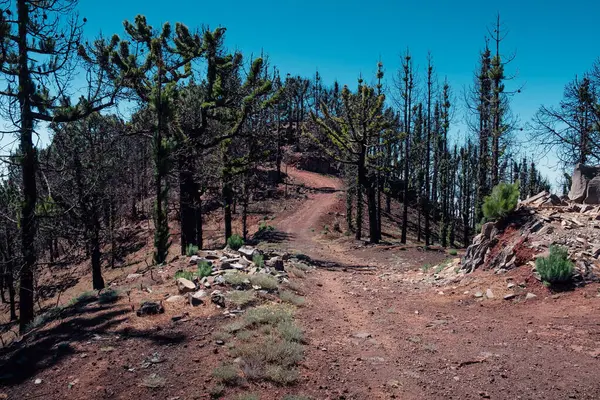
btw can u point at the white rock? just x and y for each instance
(530, 296)
(175, 299)
(489, 294)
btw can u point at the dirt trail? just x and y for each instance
(380, 333)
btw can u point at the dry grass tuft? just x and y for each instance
(291, 298)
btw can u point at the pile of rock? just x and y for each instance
(228, 261)
(539, 222)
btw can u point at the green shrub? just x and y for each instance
(264, 227)
(191, 250)
(83, 298)
(204, 269)
(184, 274)
(556, 268)
(501, 202)
(258, 260)
(235, 242)
(452, 252)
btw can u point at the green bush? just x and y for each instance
(204, 269)
(258, 260)
(191, 250)
(184, 274)
(556, 268)
(452, 252)
(235, 242)
(264, 227)
(501, 202)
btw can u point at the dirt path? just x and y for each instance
(384, 332)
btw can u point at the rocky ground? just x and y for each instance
(379, 322)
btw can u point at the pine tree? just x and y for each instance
(38, 47)
(352, 133)
(406, 92)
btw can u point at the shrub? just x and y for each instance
(241, 298)
(501, 202)
(264, 227)
(281, 375)
(191, 250)
(217, 391)
(204, 269)
(83, 298)
(258, 260)
(452, 252)
(235, 242)
(108, 296)
(184, 274)
(235, 278)
(265, 281)
(289, 297)
(290, 332)
(556, 268)
(268, 314)
(227, 373)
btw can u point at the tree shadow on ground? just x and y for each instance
(43, 348)
(331, 265)
(270, 236)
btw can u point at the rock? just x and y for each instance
(509, 296)
(530, 296)
(150, 308)
(489, 294)
(218, 298)
(478, 295)
(185, 285)
(175, 299)
(540, 197)
(37, 381)
(248, 251)
(586, 207)
(194, 259)
(593, 191)
(596, 251)
(582, 175)
(361, 335)
(510, 285)
(279, 265)
(195, 299)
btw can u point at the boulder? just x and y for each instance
(196, 298)
(582, 175)
(185, 285)
(150, 308)
(593, 191)
(247, 251)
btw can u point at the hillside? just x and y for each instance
(377, 322)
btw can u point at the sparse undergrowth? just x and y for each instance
(268, 344)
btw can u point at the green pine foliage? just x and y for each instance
(501, 202)
(556, 268)
(235, 242)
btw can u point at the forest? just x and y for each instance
(209, 124)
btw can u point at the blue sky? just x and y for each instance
(552, 40)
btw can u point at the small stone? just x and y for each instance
(220, 342)
(132, 277)
(489, 294)
(478, 295)
(248, 251)
(196, 298)
(509, 296)
(38, 381)
(362, 335)
(530, 296)
(175, 299)
(510, 285)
